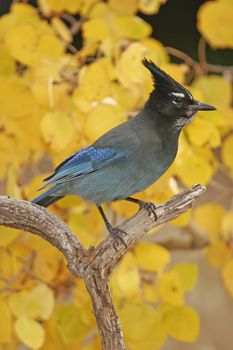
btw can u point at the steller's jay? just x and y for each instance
(130, 157)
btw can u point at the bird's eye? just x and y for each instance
(178, 100)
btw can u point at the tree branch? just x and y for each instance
(94, 265)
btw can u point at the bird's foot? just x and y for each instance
(150, 208)
(117, 233)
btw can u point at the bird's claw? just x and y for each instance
(117, 234)
(150, 208)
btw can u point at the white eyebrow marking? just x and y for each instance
(178, 94)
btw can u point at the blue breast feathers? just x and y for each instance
(87, 160)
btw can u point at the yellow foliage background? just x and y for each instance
(54, 100)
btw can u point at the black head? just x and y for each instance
(171, 99)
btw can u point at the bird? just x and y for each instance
(130, 157)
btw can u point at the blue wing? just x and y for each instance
(83, 162)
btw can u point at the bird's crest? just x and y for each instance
(161, 79)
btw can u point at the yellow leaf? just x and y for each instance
(131, 27)
(14, 89)
(131, 73)
(227, 275)
(7, 64)
(216, 90)
(157, 48)
(7, 235)
(45, 267)
(21, 41)
(193, 168)
(188, 273)
(183, 219)
(123, 7)
(95, 80)
(138, 320)
(182, 323)
(9, 264)
(69, 323)
(227, 154)
(150, 7)
(177, 71)
(202, 215)
(125, 280)
(215, 20)
(101, 119)
(170, 288)
(5, 324)
(150, 294)
(61, 29)
(95, 29)
(70, 6)
(151, 257)
(202, 132)
(49, 48)
(227, 225)
(57, 130)
(30, 332)
(32, 303)
(218, 253)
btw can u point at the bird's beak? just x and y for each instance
(200, 106)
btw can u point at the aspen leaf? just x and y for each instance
(30, 332)
(70, 6)
(32, 303)
(61, 29)
(137, 320)
(183, 219)
(188, 273)
(215, 90)
(7, 63)
(150, 7)
(5, 324)
(215, 20)
(14, 89)
(151, 257)
(150, 295)
(10, 265)
(193, 169)
(170, 288)
(125, 279)
(156, 47)
(21, 41)
(132, 27)
(95, 29)
(218, 253)
(182, 323)
(7, 235)
(202, 215)
(227, 275)
(69, 323)
(227, 225)
(202, 132)
(123, 7)
(227, 153)
(57, 130)
(177, 71)
(101, 119)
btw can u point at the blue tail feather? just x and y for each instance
(45, 199)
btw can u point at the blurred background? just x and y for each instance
(69, 71)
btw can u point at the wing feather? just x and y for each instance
(83, 162)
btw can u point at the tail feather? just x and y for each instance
(45, 199)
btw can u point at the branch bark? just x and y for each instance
(94, 265)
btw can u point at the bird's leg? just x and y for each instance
(148, 206)
(115, 231)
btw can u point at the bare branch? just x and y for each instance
(94, 265)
